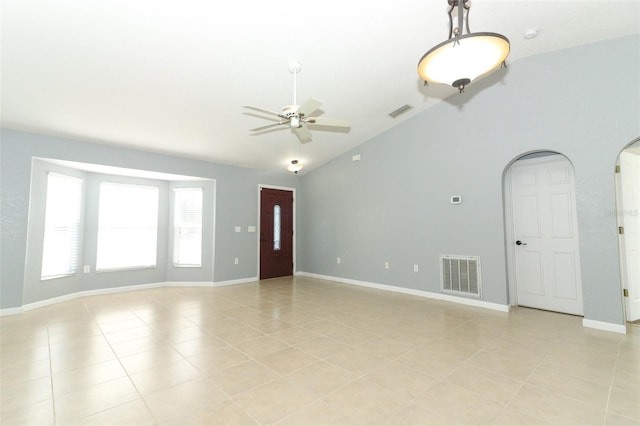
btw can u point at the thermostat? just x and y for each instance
(456, 199)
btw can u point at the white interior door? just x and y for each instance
(546, 252)
(629, 214)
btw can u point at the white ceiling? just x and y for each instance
(171, 76)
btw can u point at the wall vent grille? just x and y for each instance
(401, 110)
(461, 275)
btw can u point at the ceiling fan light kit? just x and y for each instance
(295, 166)
(297, 117)
(457, 61)
(463, 57)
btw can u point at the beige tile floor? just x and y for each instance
(303, 352)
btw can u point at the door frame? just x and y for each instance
(622, 263)
(512, 288)
(295, 234)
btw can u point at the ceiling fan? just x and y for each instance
(297, 117)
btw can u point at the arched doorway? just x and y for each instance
(628, 215)
(543, 254)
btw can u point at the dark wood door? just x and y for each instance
(276, 233)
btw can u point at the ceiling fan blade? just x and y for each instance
(311, 105)
(268, 126)
(322, 121)
(262, 110)
(303, 134)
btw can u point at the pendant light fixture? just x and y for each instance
(463, 57)
(295, 166)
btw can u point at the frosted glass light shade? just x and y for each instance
(458, 64)
(295, 166)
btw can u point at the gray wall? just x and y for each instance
(236, 205)
(394, 204)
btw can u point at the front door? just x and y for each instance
(276, 233)
(546, 251)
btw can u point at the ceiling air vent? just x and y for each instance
(461, 275)
(400, 110)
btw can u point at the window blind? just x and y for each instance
(187, 223)
(127, 226)
(63, 212)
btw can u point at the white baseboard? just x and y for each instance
(98, 292)
(188, 284)
(72, 296)
(10, 311)
(421, 293)
(234, 282)
(605, 326)
(599, 325)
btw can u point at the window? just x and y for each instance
(276, 227)
(187, 225)
(61, 226)
(127, 226)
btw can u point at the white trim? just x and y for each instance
(295, 231)
(555, 157)
(606, 326)
(235, 282)
(72, 296)
(509, 247)
(10, 311)
(599, 325)
(111, 290)
(188, 284)
(213, 236)
(420, 293)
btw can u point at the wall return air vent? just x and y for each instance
(401, 110)
(460, 275)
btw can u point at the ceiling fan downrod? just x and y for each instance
(294, 68)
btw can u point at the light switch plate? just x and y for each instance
(238, 229)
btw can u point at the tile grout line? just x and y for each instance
(613, 377)
(343, 312)
(144, 401)
(53, 396)
(124, 369)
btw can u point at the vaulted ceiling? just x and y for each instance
(171, 76)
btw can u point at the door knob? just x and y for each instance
(520, 243)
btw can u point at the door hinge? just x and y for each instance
(621, 230)
(618, 169)
(625, 292)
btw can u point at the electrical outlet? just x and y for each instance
(86, 269)
(236, 261)
(386, 265)
(338, 260)
(415, 268)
